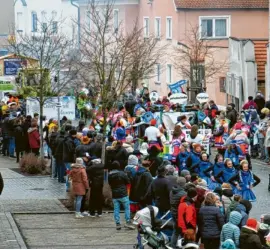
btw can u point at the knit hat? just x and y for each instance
(73, 132)
(132, 160)
(192, 192)
(181, 182)
(129, 139)
(184, 173)
(144, 148)
(115, 165)
(266, 219)
(79, 161)
(252, 223)
(153, 122)
(235, 218)
(228, 244)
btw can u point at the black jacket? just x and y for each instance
(155, 163)
(118, 181)
(263, 231)
(82, 149)
(59, 148)
(96, 149)
(52, 142)
(210, 222)
(69, 149)
(20, 138)
(159, 191)
(249, 239)
(140, 184)
(232, 116)
(121, 155)
(175, 196)
(95, 173)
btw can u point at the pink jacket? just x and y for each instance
(79, 179)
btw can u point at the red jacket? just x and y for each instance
(34, 138)
(250, 104)
(187, 217)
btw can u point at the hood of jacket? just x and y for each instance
(75, 166)
(177, 189)
(30, 130)
(241, 207)
(227, 192)
(235, 218)
(264, 226)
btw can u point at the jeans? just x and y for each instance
(61, 168)
(68, 167)
(177, 231)
(11, 146)
(78, 203)
(116, 209)
(54, 168)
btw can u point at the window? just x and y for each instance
(116, 20)
(157, 27)
(54, 27)
(88, 19)
(222, 84)
(44, 25)
(34, 22)
(158, 73)
(169, 73)
(168, 27)
(215, 27)
(19, 21)
(146, 26)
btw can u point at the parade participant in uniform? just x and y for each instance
(178, 136)
(245, 181)
(181, 159)
(194, 158)
(234, 153)
(228, 172)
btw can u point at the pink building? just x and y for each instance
(171, 20)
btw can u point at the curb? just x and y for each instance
(15, 230)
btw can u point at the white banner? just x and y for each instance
(50, 107)
(170, 119)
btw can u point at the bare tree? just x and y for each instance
(116, 58)
(195, 58)
(47, 52)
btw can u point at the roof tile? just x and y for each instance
(222, 4)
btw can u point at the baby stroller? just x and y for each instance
(151, 231)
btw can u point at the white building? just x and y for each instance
(31, 16)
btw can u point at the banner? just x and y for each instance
(178, 98)
(170, 119)
(50, 107)
(176, 87)
(202, 97)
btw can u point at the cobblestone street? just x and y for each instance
(32, 215)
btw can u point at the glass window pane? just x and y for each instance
(221, 27)
(207, 28)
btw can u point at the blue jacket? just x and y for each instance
(228, 173)
(204, 165)
(210, 222)
(233, 154)
(193, 160)
(181, 161)
(242, 210)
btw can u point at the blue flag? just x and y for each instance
(176, 87)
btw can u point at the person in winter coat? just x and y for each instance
(118, 181)
(80, 185)
(187, 216)
(249, 238)
(250, 104)
(231, 114)
(34, 138)
(234, 152)
(264, 229)
(260, 101)
(120, 155)
(120, 132)
(244, 208)
(159, 191)
(234, 203)
(84, 147)
(128, 145)
(58, 153)
(210, 222)
(181, 158)
(213, 109)
(51, 143)
(155, 160)
(194, 158)
(176, 194)
(20, 138)
(227, 195)
(95, 173)
(231, 230)
(69, 147)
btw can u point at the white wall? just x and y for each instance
(66, 14)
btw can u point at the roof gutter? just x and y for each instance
(76, 5)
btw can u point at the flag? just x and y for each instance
(176, 87)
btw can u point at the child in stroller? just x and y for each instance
(152, 231)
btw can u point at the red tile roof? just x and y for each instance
(222, 4)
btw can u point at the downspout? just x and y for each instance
(79, 21)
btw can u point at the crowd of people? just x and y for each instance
(209, 194)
